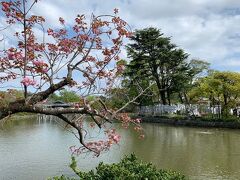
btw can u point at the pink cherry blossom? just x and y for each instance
(39, 63)
(28, 82)
(116, 138)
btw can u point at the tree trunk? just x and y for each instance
(225, 106)
(162, 93)
(161, 87)
(189, 109)
(163, 97)
(180, 97)
(169, 97)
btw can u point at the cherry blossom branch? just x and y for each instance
(134, 99)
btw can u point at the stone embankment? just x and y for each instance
(191, 123)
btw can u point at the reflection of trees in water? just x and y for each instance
(9, 124)
(194, 151)
(42, 118)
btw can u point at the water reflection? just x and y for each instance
(37, 149)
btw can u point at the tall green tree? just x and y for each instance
(156, 59)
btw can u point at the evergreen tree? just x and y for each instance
(156, 59)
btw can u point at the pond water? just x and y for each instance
(37, 149)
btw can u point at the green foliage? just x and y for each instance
(9, 96)
(134, 88)
(221, 88)
(155, 59)
(128, 168)
(65, 96)
(118, 97)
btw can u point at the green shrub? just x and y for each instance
(128, 168)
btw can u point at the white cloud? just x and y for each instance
(206, 29)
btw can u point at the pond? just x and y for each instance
(37, 149)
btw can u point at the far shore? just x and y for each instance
(20, 116)
(213, 123)
(191, 122)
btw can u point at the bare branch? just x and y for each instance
(134, 99)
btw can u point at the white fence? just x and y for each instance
(193, 109)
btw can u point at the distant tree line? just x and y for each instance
(160, 65)
(174, 78)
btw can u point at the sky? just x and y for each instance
(206, 29)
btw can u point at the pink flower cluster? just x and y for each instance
(98, 146)
(14, 55)
(57, 34)
(6, 6)
(28, 82)
(41, 66)
(113, 136)
(67, 45)
(39, 63)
